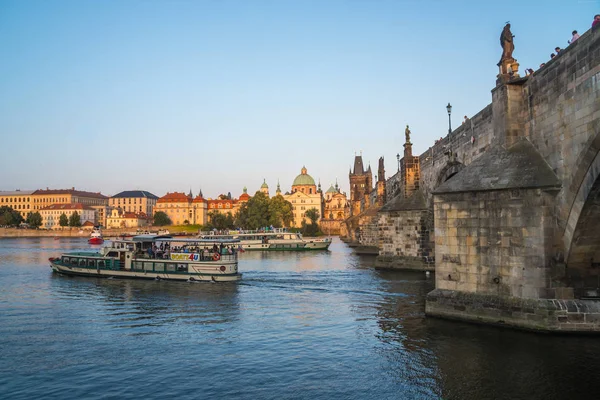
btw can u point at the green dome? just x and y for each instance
(303, 179)
(264, 185)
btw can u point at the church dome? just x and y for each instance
(331, 189)
(303, 179)
(264, 185)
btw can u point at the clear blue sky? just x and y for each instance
(172, 95)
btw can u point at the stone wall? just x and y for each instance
(404, 240)
(494, 242)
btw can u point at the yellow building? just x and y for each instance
(335, 210)
(125, 219)
(303, 197)
(135, 201)
(18, 200)
(51, 214)
(43, 198)
(182, 208)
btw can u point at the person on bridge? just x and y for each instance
(596, 22)
(574, 38)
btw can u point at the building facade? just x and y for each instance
(119, 218)
(18, 200)
(304, 196)
(183, 209)
(335, 210)
(134, 201)
(51, 214)
(43, 198)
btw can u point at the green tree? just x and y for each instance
(241, 217)
(75, 219)
(258, 211)
(161, 219)
(10, 217)
(34, 219)
(311, 229)
(63, 220)
(280, 212)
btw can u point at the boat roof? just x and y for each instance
(198, 240)
(169, 238)
(250, 234)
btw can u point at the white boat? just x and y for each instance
(277, 240)
(156, 257)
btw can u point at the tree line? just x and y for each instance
(10, 217)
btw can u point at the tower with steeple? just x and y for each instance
(265, 188)
(381, 183)
(361, 184)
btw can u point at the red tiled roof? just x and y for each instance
(244, 197)
(69, 191)
(199, 199)
(88, 223)
(224, 202)
(67, 206)
(174, 197)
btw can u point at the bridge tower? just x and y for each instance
(361, 182)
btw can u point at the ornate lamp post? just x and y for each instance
(398, 158)
(449, 108)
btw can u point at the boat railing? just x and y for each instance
(242, 231)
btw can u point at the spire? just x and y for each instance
(200, 192)
(337, 188)
(358, 165)
(190, 194)
(278, 187)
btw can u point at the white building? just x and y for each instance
(51, 214)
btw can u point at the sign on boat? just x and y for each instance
(156, 257)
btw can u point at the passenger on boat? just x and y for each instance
(150, 252)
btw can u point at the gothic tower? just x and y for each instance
(361, 182)
(381, 183)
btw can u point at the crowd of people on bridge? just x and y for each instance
(574, 37)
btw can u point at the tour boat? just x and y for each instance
(277, 240)
(96, 237)
(156, 257)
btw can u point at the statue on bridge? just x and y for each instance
(407, 134)
(506, 41)
(508, 65)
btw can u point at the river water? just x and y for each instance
(316, 325)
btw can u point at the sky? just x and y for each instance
(216, 95)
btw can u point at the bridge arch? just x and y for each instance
(581, 238)
(448, 171)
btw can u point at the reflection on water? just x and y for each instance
(299, 325)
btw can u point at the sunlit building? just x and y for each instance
(51, 214)
(304, 196)
(182, 209)
(135, 201)
(18, 200)
(126, 219)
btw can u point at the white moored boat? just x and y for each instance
(277, 240)
(156, 257)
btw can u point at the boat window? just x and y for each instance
(113, 254)
(171, 267)
(101, 264)
(66, 260)
(91, 263)
(148, 266)
(159, 267)
(138, 265)
(182, 267)
(82, 262)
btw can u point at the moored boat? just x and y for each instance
(278, 240)
(96, 237)
(156, 257)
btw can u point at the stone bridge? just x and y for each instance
(507, 206)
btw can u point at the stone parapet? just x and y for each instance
(541, 315)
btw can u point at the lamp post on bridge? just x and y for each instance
(449, 108)
(398, 158)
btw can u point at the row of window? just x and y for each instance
(84, 262)
(14, 200)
